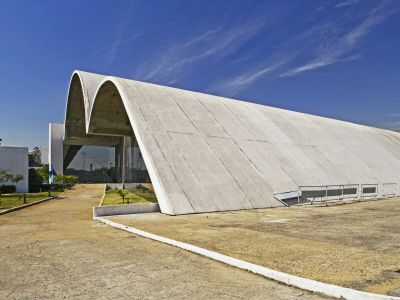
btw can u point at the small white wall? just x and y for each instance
(127, 209)
(15, 161)
(56, 136)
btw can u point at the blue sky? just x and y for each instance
(339, 59)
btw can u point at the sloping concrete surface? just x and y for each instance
(207, 153)
(55, 251)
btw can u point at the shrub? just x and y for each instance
(7, 189)
(48, 186)
(123, 194)
(65, 181)
(35, 181)
(6, 176)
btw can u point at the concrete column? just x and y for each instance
(123, 160)
(56, 156)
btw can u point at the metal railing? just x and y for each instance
(368, 190)
(389, 190)
(327, 193)
(350, 192)
(312, 194)
(343, 192)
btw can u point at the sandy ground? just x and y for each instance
(354, 245)
(54, 250)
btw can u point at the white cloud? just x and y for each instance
(393, 115)
(119, 41)
(332, 39)
(233, 85)
(346, 3)
(339, 47)
(172, 62)
(395, 126)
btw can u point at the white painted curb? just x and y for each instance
(104, 195)
(303, 283)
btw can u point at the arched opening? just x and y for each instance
(75, 111)
(109, 151)
(76, 116)
(88, 156)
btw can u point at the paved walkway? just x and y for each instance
(54, 250)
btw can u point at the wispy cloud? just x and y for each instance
(336, 39)
(119, 41)
(233, 85)
(172, 62)
(395, 126)
(346, 3)
(336, 35)
(340, 47)
(121, 35)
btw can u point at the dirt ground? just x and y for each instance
(54, 250)
(354, 245)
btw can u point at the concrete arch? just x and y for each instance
(109, 116)
(206, 153)
(167, 137)
(75, 117)
(81, 92)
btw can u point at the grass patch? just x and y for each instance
(133, 196)
(145, 194)
(8, 201)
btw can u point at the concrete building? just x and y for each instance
(206, 153)
(15, 161)
(36, 154)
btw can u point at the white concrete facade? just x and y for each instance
(15, 161)
(207, 153)
(127, 209)
(56, 145)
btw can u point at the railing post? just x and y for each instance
(326, 195)
(298, 195)
(376, 192)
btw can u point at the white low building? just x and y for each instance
(15, 161)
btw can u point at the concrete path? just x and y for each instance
(54, 250)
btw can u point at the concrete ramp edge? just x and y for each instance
(112, 210)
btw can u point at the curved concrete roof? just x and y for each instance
(207, 153)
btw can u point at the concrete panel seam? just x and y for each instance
(229, 172)
(291, 280)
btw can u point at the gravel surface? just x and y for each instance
(355, 245)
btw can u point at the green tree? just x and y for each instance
(123, 194)
(35, 180)
(44, 172)
(6, 176)
(66, 181)
(32, 162)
